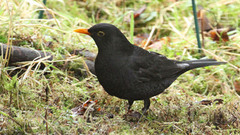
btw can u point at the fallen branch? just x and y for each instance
(21, 54)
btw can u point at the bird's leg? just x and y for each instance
(145, 108)
(130, 102)
(146, 105)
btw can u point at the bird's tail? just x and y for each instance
(202, 63)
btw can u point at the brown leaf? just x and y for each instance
(219, 34)
(157, 44)
(203, 21)
(80, 110)
(206, 102)
(139, 39)
(218, 101)
(209, 102)
(138, 12)
(237, 86)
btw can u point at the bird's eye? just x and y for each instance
(100, 33)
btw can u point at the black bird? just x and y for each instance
(130, 72)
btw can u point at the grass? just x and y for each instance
(34, 93)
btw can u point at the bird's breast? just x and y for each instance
(111, 73)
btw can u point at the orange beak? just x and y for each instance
(83, 31)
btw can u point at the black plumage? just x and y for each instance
(130, 72)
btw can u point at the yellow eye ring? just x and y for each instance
(100, 33)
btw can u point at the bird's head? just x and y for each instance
(106, 36)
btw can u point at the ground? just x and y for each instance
(41, 100)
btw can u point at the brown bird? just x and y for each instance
(130, 72)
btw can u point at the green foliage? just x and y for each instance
(11, 83)
(178, 110)
(3, 39)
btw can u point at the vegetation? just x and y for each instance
(39, 100)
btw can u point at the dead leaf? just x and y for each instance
(138, 12)
(237, 86)
(139, 39)
(206, 102)
(219, 34)
(80, 110)
(210, 102)
(157, 44)
(203, 21)
(218, 101)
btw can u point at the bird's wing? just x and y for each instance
(148, 66)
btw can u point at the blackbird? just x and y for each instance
(130, 72)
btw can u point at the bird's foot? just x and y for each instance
(132, 116)
(144, 111)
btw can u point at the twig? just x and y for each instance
(50, 125)
(220, 59)
(180, 34)
(150, 36)
(229, 53)
(188, 22)
(8, 116)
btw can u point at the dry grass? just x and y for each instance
(28, 97)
